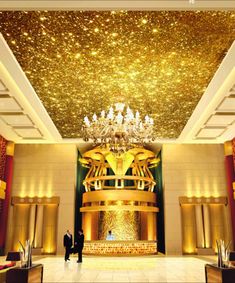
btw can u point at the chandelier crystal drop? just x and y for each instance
(119, 129)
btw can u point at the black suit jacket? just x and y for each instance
(80, 243)
(68, 241)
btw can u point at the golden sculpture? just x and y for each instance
(139, 160)
(119, 195)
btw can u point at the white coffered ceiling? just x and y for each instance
(22, 116)
(213, 120)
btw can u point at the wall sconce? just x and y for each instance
(2, 189)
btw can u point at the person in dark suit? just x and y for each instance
(79, 245)
(68, 242)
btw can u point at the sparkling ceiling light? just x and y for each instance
(118, 129)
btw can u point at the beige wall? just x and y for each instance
(189, 170)
(46, 170)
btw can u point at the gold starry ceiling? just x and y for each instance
(82, 62)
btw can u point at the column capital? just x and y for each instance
(10, 148)
(228, 148)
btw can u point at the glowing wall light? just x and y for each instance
(2, 189)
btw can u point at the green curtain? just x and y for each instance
(158, 189)
(129, 182)
(110, 182)
(80, 189)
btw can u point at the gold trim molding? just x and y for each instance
(203, 200)
(35, 200)
(119, 207)
(115, 195)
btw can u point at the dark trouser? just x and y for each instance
(67, 252)
(80, 255)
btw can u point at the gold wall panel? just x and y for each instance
(50, 216)
(143, 225)
(90, 222)
(106, 195)
(189, 241)
(21, 224)
(199, 226)
(207, 225)
(32, 218)
(39, 226)
(125, 225)
(148, 226)
(158, 62)
(217, 223)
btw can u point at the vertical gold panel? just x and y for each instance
(207, 225)
(148, 222)
(90, 222)
(144, 226)
(188, 229)
(39, 226)
(227, 225)
(95, 223)
(151, 224)
(32, 215)
(217, 225)
(21, 222)
(87, 225)
(199, 226)
(50, 228)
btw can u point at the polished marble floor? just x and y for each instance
(125, 269)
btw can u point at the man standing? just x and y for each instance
(110, 236)
(68, 242)
(79, 244)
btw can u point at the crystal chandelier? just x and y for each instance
(119, 129)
